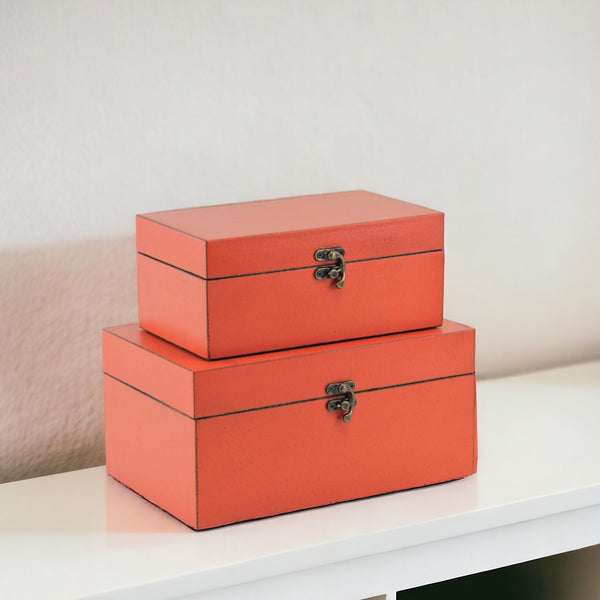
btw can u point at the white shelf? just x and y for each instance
(82, 535)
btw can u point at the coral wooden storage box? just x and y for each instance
(239, 279)
(216, 442)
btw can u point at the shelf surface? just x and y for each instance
(82, 535)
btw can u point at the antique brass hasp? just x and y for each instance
(346, 403)
(336, 271)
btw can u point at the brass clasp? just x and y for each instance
(347, 403)
(336, 271)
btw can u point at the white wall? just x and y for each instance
(485, 110)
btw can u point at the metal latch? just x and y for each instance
(347, 403)
(336, 271)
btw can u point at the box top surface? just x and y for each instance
(200, 388)
(137, 336)
(264, 217)
(275, 235)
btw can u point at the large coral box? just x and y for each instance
(244, 278)
(217, 442)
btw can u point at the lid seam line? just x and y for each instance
(246, 410)
(315, 266)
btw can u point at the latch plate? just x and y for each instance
(336, 271)
(348, 400)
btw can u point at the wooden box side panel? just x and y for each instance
(148, 372)
(173, 305)
(151, 449)
(298, 456)
(292, 308)
(475, 431)
(170, 245)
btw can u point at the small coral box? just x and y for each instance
(217, 442)
(239, 279)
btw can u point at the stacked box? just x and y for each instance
(290, 354)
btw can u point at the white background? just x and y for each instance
(487, 111)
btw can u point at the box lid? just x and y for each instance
(272, 235)
(202, 388)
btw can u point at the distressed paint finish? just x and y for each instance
(216, 442)
(239, 279)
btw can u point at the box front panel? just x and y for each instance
(374, 362)
(286, 458)
(292, 308)
(295, 249)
